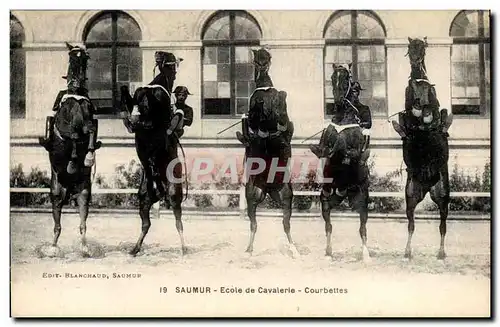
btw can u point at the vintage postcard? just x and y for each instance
(250, 163)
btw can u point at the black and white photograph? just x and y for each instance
(250, 163)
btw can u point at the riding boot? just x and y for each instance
(321, 150)
(243, 136)
(47, 140)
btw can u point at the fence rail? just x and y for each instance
(239, 192)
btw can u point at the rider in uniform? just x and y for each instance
(46, 141)
(181, 95)
(322, 149)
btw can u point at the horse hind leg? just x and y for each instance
(440, 194)
(285, 198)
(145, 204)
(361, 203)
(414, 194)
(57, 197)
(254, 196)
(83, 208)
(174, 197)
(326, 209)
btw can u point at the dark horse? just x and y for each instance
(344, 165)
(152, 116)
(267, 134)
(71, 141)
(423, 129)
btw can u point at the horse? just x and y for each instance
(151, 115)
(72, 133)
(423, 130)
(266, 133)
(344, 162)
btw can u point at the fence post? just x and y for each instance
(243, 202)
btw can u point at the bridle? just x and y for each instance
(349, 89)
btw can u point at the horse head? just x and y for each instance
(77, 68)
(262, 63)
(416, 53)
(168, 64)
(344, 93)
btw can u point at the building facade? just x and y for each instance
(216, 67)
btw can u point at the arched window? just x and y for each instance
(358, 37)
(470, 58)
(17, 70)
(228, 72)
(112, 39)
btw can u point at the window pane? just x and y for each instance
(210, 73)
(458, 52)
(16, 30)
(457, 91)
(223, 55)
(17, 83)
(242, 54)
(378, 72)
(244, 72)
(210, 89)
(465, 24)
(378, 106)
(245, 28)
(242, 89)
(472, 92)
(378, 53)
(210, 55)
(366, 94)
(241, 105)
(368, 27)
(364, 72)
(223, 73)
(472, 73)
(364, 54)
(217, 106)
(218, 28)
(131, 60)
(100, 30)
(472, 51)
(486, 19)
(223, 90)
(127, 28)
(100, 74)
(340, 27)
(458, 72)
(379, 90)
(328, 89)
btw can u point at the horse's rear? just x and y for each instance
(149, 114)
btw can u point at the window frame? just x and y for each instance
(231, 44)
(355, 42)
(113, 44)
(18, 46)
(480, 41)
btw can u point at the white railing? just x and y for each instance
(239, 192)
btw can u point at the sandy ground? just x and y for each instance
(387, 286)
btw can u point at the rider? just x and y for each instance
(181, 95)
(72, 88)
(365, 123)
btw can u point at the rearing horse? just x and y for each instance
(152, 116)
(267, 134)
(344, 161)
(425, 145)
(71, 141)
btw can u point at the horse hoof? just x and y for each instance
(184, 250)
(329, 253)
(441, 255)
(248, 252)
(408, 255)
(134, 251)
